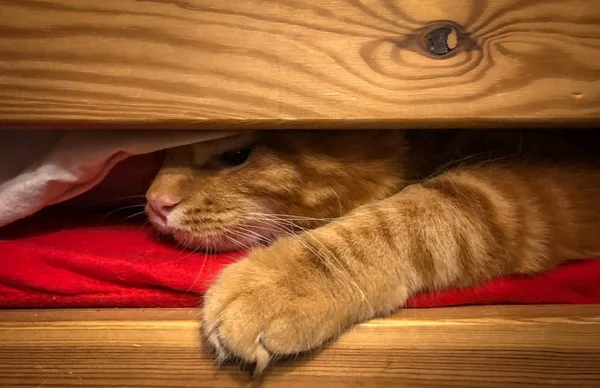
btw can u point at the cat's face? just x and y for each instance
(238, 192)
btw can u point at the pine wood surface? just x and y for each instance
(298, 63)
(481, 346)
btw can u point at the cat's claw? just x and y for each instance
(262, 355)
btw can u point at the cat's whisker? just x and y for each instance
(144, 226)
(258, 236)
(290, 216)
(183, 246)
(106, 202)
(243, 245)
(206, 254)
(212, 251)
(482, 159)
(134, 215)
(136, 206)
(121, 209)
(227, 232)
(186, 247)
(242, 232)
(273, 225)
(358, 213)
(238, 243)
(114, 199)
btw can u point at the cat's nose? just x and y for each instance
(162, 205)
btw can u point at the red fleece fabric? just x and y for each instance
(54, 260)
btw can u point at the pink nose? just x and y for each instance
(163, 205)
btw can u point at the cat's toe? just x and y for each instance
(221, 353)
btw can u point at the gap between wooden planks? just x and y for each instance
(485, 346)
(303, 64)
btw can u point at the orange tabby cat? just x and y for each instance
(363, 220)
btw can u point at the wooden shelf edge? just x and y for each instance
(476, 314)
(485, 346)
(307, 124)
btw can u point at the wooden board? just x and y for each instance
(298, 63)
(493, 346)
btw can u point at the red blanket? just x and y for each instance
(53, 260)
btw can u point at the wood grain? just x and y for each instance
(284, 63)
(493, 346)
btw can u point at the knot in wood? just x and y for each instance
(443, 39)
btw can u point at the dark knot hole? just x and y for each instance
(442, 40)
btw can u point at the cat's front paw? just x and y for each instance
(273, 304)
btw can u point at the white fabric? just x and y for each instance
(41, 168)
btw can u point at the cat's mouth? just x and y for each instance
(215, 243)
(245, 235)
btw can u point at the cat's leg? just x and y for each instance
(462, 228)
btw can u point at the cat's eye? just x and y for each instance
(236, 157)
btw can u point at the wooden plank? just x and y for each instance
(487, 346)
(283, 63)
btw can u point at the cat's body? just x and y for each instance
(377, 215)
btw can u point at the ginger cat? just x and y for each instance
(362, 220)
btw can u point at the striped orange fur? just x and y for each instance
(360, 221)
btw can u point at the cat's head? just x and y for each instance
(241, 191)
